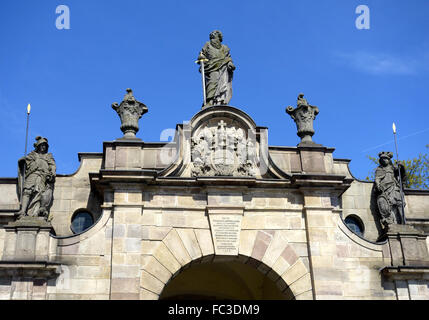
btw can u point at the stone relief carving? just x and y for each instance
(222, 150)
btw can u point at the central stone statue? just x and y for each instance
(217, 71)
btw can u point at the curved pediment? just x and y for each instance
(222, 141)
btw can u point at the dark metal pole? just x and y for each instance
(404, 221)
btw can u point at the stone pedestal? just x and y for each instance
(313, 158)
(407, 246)
(25, 267)
(409, 267)
(27, 240)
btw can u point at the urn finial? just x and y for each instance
(130, 111)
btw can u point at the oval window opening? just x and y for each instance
(81, 221)
(355, 225)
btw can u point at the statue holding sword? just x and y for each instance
(216, 69)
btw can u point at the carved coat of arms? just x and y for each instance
(223, 151)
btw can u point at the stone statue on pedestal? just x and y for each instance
(217, 70)
(303, 115)
(130, 111)
(389, 199)
(36, 179)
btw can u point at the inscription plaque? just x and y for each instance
(226, 233)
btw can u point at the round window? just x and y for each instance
(355, 224)
(81, 221)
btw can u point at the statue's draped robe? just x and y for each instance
(38, 168)
(217, 76)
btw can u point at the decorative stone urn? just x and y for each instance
(303, 115)
(130, 111)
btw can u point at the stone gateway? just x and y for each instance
(217, 213)
(227, 217)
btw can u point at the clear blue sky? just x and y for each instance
(361, 80)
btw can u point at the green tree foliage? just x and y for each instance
(417, 171)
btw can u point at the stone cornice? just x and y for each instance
(33, 269)
(406, 272)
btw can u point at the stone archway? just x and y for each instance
(166, 262)
(225, 278)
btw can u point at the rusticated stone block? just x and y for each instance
(151, 283)
(275, 248)
(176, 247)
(190, 242)
(155, 268)
(289, 255)
(262, 242)
(205, 242)
(294, 272)
(302, 285)
(148, 295)
(164, 256)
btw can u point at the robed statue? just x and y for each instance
(36, 178)
(388, 188)
(217, 71)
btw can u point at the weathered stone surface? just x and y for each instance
(164, 256)
(276, 247)
(247, 240)
(205, 242)
(190, 242)
(151, 283)
(262, 241)
(155, 268)
(295, 272)
(147, 295)
(176, 247)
